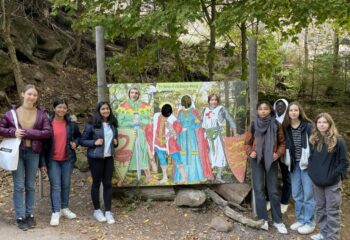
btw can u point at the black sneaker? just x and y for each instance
(30, 221)
(22, 224)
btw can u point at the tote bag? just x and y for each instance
(305, 154)
(9, 150)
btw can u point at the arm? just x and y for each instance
(249, 140)
(281, 143)
(343, 162)
(5, 129)
(39, 134)
(86, 138)
(226, 115)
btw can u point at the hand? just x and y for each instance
(73, 145)
(19, 133)
(275, 156)
(115, 141)
(252, 154)
(43, 170)
(99, 142)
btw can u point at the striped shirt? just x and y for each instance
(296, 134)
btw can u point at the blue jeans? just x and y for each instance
(303, 196)
(24, 181)
(60, 174)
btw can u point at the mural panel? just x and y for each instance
(179, 133)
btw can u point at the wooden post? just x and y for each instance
(100, 61)
(253, 90)
(101, 76)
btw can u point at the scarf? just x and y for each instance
(266, 137)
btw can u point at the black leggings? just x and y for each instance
(101, 171)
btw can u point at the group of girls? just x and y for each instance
(315, 156)
(49, 141)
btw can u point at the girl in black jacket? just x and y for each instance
(328, 161)
(100, 137)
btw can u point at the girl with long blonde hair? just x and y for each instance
(327, 163)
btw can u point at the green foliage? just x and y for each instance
(151, 29)
(269, 58)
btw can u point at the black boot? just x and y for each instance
(22, 224)
(30, 221)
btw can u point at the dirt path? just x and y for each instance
(135, 219)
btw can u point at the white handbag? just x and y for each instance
(305, 154)
(9, 150)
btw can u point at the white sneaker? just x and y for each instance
(296, 225)
(265, 226)
(55, 219)
(281, 228)
(67, 213)
(317, 236)
(98, 215)
(109, 217)
(268, 206)
(306, 229)
(284, 208)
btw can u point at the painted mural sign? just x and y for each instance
(179, 133)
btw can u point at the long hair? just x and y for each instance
(272, 111)
(302, 115)
(96, 119)
(329, 138)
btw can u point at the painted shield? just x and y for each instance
(236, 156)
(123, 153)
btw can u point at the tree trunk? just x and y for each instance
(306, 49)
(345, 74)
(244, 64)
(306, 63)
(335, 54)
(212, 52)
(6, 29)
(177, 45)
(313, 80)
(77, 45)
(210, 18)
